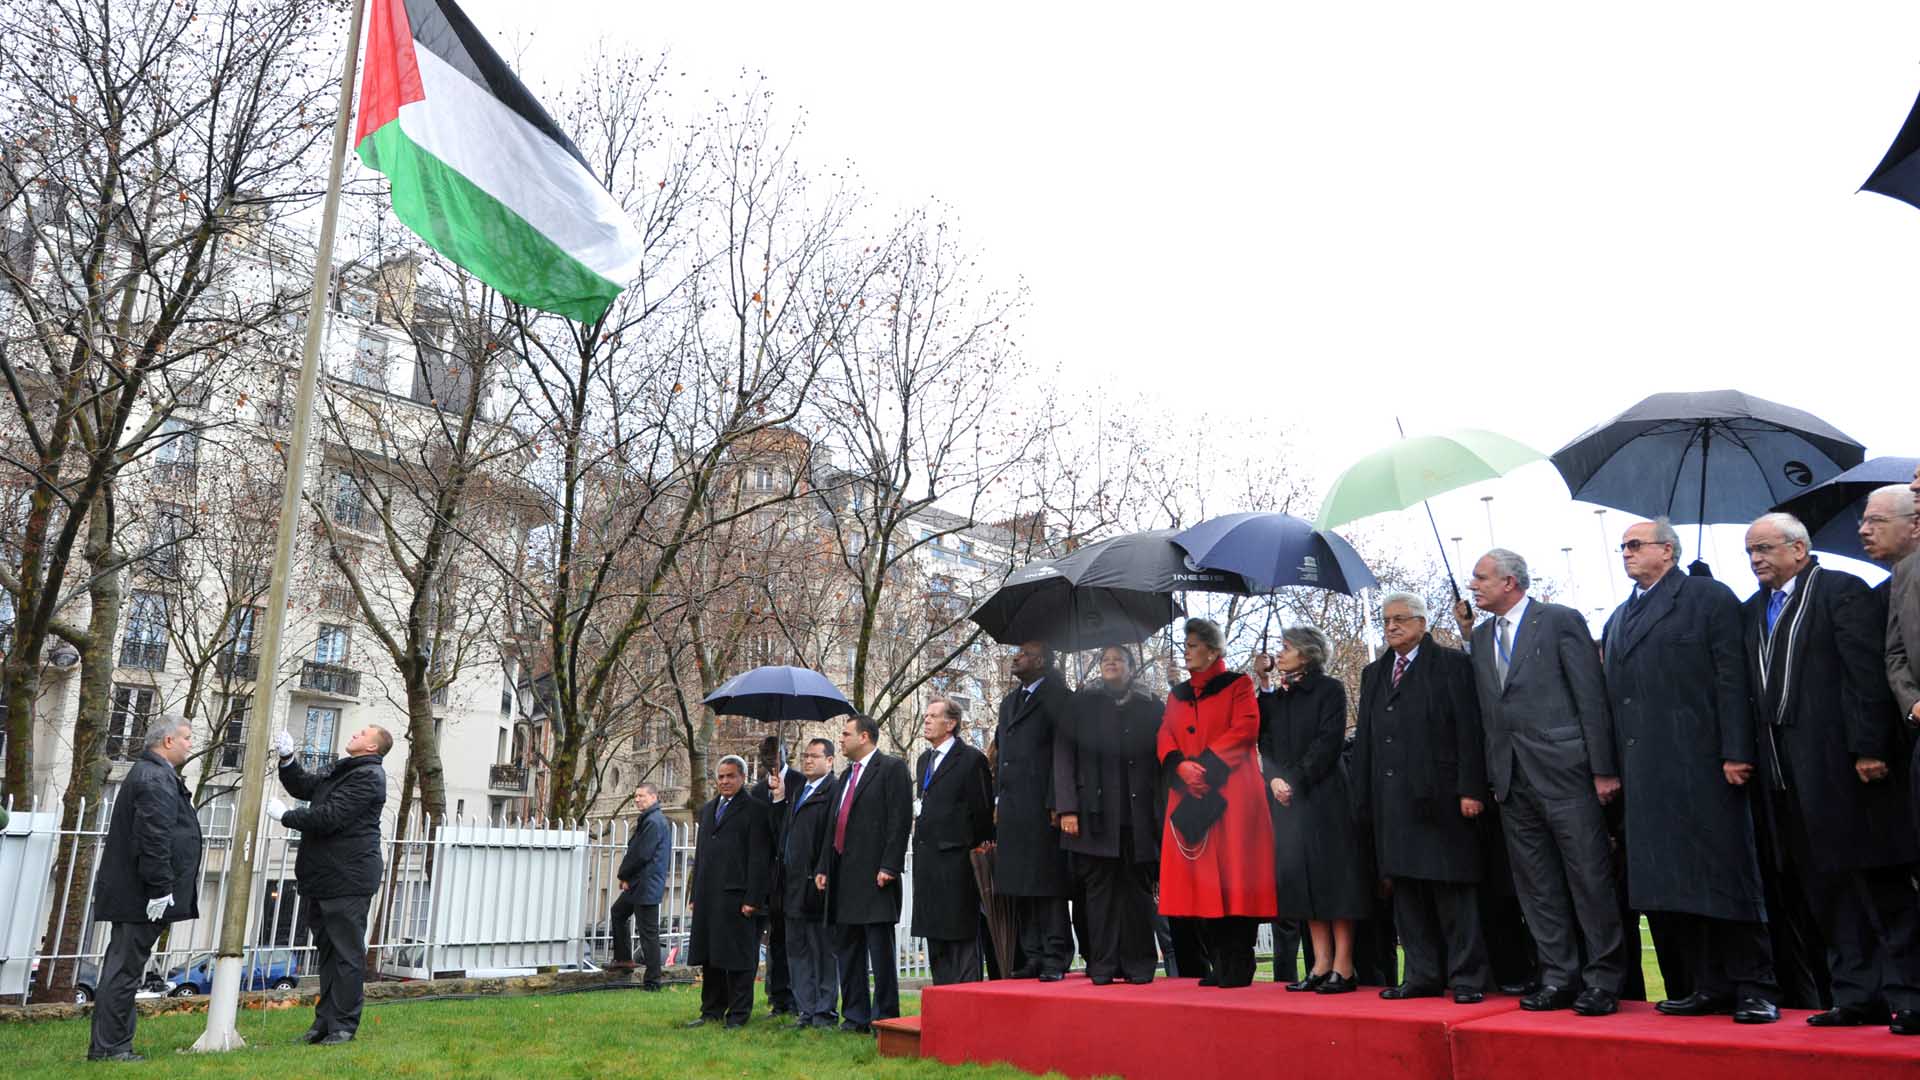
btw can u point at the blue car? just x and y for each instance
(276, 969)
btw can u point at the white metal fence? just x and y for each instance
(502, 896)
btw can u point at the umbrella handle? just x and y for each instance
(1448, 566)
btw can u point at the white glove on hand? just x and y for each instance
(275, 808)
(158, 907)
(282, 744)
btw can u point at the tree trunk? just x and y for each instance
(423, 748)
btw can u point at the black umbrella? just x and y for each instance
(1701, 458)
(779, 693)
(1114, 592)
(1831, 511)
(1898, 174)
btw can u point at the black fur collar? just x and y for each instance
(1184, 692)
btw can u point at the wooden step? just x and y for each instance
(899, 1037)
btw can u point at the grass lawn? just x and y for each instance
(608, 1033)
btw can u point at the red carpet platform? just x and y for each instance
(1175, 1029)
(1178, 1030)
(1640, 1044)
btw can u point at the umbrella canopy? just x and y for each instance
(1276, 550)
(1831, 511)
(1702, 458)
(1411, 470)
(1114, 592)
(779, 693)
(1898, 174)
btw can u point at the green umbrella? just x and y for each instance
(1414, 470)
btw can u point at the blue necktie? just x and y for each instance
(720, 811)
(1774, 604)
(926, 778)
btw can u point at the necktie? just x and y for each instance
(1775, 603)
(720, 811)
(1399, 669)
(1503, 647)
(926, 778)
(846, 806)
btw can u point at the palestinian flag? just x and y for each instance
(480, 171)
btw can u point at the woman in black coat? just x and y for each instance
(1106, 784)
(1319, 861)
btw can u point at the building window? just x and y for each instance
(133, 710)
(333, 645)
(233, 732)
(349, 506)
(369, 364)
(316, 743)
(164, 533)
(145, 643)
(176, 451)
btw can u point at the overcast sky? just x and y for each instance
(1315, 217)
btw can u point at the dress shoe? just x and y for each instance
(1755, 1010)
(1548, 999)
(124, 1055)
(1139, 980)
(651, 988)
(1519, 989)
(1408, 990)
(780, 1010)
(1696, 1004)
(1905, 1022)
(1308, 985)
(695, 1022)
(1208, 980)
(1594, 1001)
(857, 1029)
(733, 1024)
(335, 1038)
(1848, 1016)
(1464, 996)
(1025, 971)
(798, 1025)
(1100, 980)
(1337, 983)
(1051, 976)
(312, 1035)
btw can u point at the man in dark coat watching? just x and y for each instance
(956, 815)
(807, 807)
(775, 778)
(1420, 780)
(1677, 685)
(338, 868)
(1836, 803)
(731, 865)
(1029, 866)
(643, 882)
(149, 876)
(860, 871)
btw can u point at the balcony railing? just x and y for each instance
(243, 666)
(511, 778)
(337, 597)
(145, 655)
(329, 679)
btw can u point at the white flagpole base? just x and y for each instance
(223, 1008)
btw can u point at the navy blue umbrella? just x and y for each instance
(1831, 511)
(1276, 550)
(779, 693)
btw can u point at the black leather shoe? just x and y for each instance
(1337, 983)
(124, 1055)
(1905, 1022)
(1696, 1004)
(1519, 989)
(1407, 990)
(857, 1029)
(1756, 1011)
(1100, 980)
(733, 1024)
(1208, 980)
(1026, 971)
(1051, 976)
(1308, 985)
(335, 1038)
(695, 1022)
(1139, 980)
(1848, 1016)
(1594, 1001)
(1548, 999)
(1463, 996)
(312, 1035)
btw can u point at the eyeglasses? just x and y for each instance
(1632, 547)
(1762, 549)
(1877, 520)
(1402, 620)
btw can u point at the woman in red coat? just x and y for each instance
(1216, 850)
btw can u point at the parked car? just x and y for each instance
(88, 976)
(275, 969)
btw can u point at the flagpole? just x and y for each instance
(224, 1003)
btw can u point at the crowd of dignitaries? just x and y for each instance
(1737, 772)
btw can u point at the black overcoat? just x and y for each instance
(877, 828)
(1822, 701)
(1106, 770)
(956, 815)
(153, 847)
(808, 828)
(730, 868)
(1417, 751)
(1320, 863)
(792, 780)
(649, 850)
(339, 827)
(1028, 860)
(1677, 689)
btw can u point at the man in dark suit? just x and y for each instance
(1902, 598)
(1420, 780)
(807, 807)
(776, 777)
(1551, 763)
(1677, 686)
(731, 865)
(1029, 866)
(643, 882)
(860, 870)
(149, 876)
(955, 816)
(1837, 807)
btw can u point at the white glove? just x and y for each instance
(275, 808)
(282, 744)
(157, 908)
